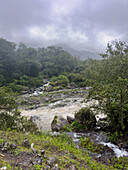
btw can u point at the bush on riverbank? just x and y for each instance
(86, 118)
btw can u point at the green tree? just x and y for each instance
(111, 85)
(60, 80)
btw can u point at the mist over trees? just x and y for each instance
(25, 65)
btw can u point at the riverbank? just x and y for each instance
(52, 151)
(88, 150)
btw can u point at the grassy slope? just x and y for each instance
(61, 147)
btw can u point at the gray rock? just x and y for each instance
(42, 152)
(1, 146)
(70, 119)
(35, 117)
(51, 161)
(58, 123)
(72, 167)
(26, 143)
(5, 147)
(13, 146)
(39, 160)
(48, 167)
(55, 167)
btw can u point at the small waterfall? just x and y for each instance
(118, 152)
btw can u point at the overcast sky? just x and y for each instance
(83, 24)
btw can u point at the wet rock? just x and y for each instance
(40, 159)
(1, 146)
(104, 126)
(70, 119)
(26, 143)
(5, 147)
(48, 167)
(58, 123)
(25, 164)
(42, 152)
(124, 145)
(51, 161)
(72, 167)
(13, 146)
(55, 167)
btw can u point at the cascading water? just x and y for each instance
(40, 89)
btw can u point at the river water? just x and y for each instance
(65, 107)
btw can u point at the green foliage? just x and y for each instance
(86, 117)
(110, 85)
(62, 147)
(10, 116)
(76, 126)
(67, 128)
(120, 163)
(15, 87)
(60, 80)
(88, 144)
(77, 78)
(54, 120)
(27, 66)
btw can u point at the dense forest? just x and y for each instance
(29, 66)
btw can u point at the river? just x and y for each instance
(68, 105)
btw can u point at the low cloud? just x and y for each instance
(84, 24)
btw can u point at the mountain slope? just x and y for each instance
(83, 55)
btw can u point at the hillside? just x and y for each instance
(83, 55)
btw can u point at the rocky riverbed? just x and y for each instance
(43, 107)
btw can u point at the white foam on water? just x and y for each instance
(45, 85)
(118, 152)
(100, 116)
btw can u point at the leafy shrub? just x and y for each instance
(76, 126)
(88, 144)
(86, 117)
(10, 116)
(60, 80)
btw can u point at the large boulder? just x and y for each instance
(86, 118)
(70, 119)
(58, 123)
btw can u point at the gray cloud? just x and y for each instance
(85, 24)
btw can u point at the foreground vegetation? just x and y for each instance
(60, 147)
